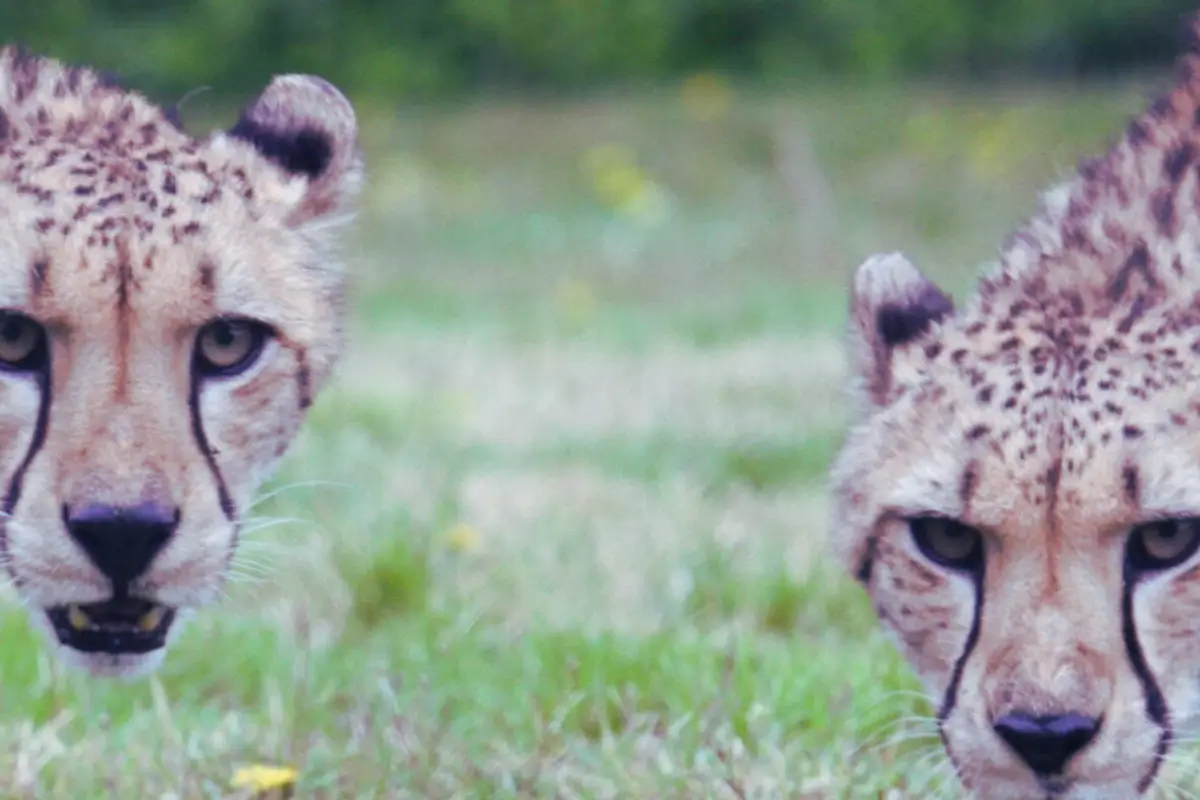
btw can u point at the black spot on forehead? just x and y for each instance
(967, 483)
(1162, 205)
(206, 277)
(1138, 133)
(977, 432)
(1177, 159)
(1131, 482)
(1137, 262)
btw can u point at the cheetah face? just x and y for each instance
(1028, 530)
(169, 307)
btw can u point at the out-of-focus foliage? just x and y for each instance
(435, 47)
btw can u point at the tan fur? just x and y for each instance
(123, 235)
(1054, 413)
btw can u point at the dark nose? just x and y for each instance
(121, 541)
(1046, 743)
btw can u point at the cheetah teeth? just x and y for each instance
(150, 621)
(78, 618)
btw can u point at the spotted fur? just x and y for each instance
(1054, 414)
(123, 235)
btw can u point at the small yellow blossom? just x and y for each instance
(463, 538)
(623, 186)
(261, 779)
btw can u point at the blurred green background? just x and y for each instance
(444, 47)
(558, 526)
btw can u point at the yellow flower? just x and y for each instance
(463, 538)
(604, 157)
(623, 186)
(261, 779)
(706, 96)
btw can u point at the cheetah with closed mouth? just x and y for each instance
(1020, 492)
(169, 308)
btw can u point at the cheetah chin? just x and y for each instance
(170, 306)
(1020, 492)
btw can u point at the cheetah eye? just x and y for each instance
(1162, 544)
(948, 542)
(229, 346)
(22, 343)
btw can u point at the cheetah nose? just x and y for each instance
(1046, 743)
(121, 541)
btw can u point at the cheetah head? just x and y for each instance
(169, 308)
(1020, 492)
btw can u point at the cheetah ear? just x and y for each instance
(303, 124)
(892, 304)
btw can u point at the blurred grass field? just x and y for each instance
(557, 529)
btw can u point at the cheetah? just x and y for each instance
(170, 306)
(1019, 492)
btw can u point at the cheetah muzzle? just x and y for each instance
(1020, 490)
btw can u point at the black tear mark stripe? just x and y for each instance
(1156, 706)
(13, 495)
(205, 449)
(950, 698)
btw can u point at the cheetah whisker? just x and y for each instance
(287, 487)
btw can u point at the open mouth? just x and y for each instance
(118, 626)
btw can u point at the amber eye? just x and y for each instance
(229, 346)
(22, 343)
(948, 542)
(1162, 544)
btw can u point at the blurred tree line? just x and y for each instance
(438, 47)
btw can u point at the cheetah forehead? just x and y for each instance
(1076, 350)
(1119, 241)
(81, 154)
(1101, 287)
(98, 182)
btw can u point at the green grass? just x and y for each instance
(558, 529)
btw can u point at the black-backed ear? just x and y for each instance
(304, 125)
(892, 305)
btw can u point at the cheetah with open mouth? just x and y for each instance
(169, 308)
